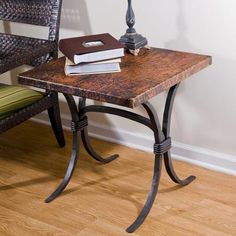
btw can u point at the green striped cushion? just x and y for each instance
(13, 98)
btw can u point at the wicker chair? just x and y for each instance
(18, 50)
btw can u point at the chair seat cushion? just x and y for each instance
(13, 98)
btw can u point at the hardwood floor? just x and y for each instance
(102, 200)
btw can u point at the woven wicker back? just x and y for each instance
(36, 12)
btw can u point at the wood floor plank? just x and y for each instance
(103, 200)
(13, 223)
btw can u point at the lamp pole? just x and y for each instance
(132, 41)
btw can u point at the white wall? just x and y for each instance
(203, 121)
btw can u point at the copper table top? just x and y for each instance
(141, 77)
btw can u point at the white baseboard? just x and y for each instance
(195, 155)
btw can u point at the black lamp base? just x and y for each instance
(133, 41)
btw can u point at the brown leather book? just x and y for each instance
(91, 48)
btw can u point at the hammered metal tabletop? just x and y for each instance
(141, 78)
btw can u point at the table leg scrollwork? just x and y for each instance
(90, 150)
(85, 138)
(161, 150)
(166, 130)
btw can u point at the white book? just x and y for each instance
(98, 56)
(108, 66)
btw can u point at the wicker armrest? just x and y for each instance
(19, 50)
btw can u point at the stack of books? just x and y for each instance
(92, 54)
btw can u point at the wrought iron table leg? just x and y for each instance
(90, 150)
(69, 171)
(159, 138)
(85, 137)
(151, 196)
(74, 154)
(54, 116)
(166, 130)
(171, 172)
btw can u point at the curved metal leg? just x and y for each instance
(157, 170)
(171, 172)
(74, 154)
(90, 150)
(85, 137)
(151, 196)
(55, 119)
(166, 130)
(69, 171)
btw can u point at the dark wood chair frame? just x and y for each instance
(16, 50)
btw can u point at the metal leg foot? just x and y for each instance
(69, 171)
(171, 172)
(151, 196)
(90, 150)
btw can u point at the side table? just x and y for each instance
(141, 78)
